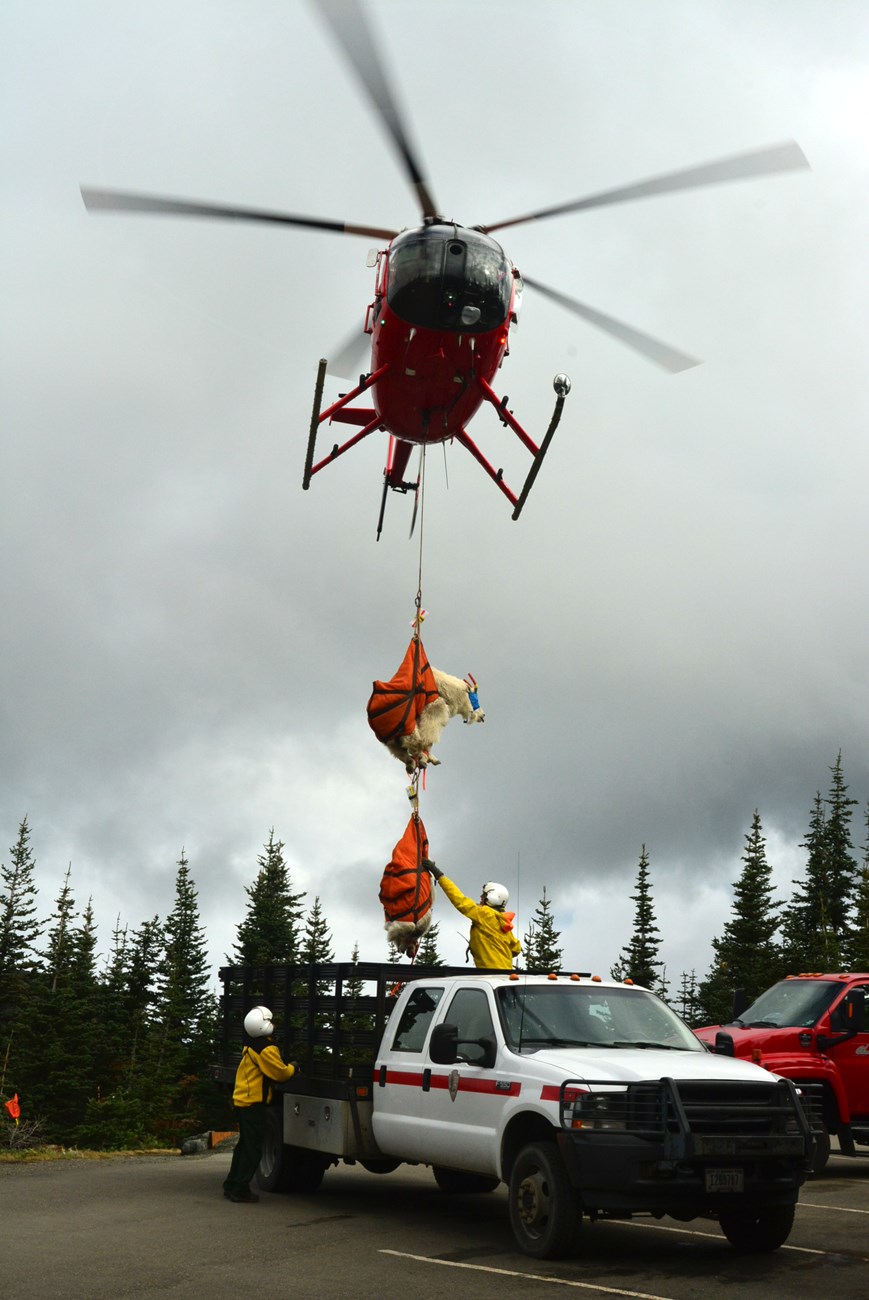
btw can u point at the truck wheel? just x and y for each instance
(283, 1168)
(545, 1213)
(757, 1231)
(380, 1166)
(822, 1150)
(457, 1181)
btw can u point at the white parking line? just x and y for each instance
(840, 1209)
(533, 1277)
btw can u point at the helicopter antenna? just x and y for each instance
(353, 34)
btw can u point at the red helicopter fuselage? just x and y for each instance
(445, 297)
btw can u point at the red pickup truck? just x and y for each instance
(811, 1029)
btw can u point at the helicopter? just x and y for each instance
(445, 295)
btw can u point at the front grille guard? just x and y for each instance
(659, 1108)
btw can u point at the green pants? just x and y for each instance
(248, 1149)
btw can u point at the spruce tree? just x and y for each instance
(19, 928)
(687, 1004)
(639, 960)
(858, 942)
(19, 932)
(540, 945)
(817, 929)
(316, 941)
(270, 930)
(186, 1010)
(64, 1063)
(428, 954)
(746, 955)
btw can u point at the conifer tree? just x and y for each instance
(428, 954)
(639, 960)
(316, 941)
(357, 1024)
(64, 1061)
(817, 928)
(19, 928)
(186, 1011)
(746, 955)
(19, 931)
(858, 942)
(270, 930)
(687, 1004)
(540, 944)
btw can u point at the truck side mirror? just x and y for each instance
(849, 1017)
(739, 1004)
(724, 1044)
(490, 1052)
(444, 1045)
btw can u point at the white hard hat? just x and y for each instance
(495, 895)
(258, 1023)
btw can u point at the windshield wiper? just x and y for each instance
(657, 1047)
(551, 1041)
(764, 1024)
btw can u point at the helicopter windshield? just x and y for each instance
(449, 278)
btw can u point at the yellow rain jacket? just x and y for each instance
(256, 1067)
(492, 940)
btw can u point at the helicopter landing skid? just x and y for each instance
(561, 384)
(367, 417)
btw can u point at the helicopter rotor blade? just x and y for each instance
(654, 350)
(100, 200)
(760, 162)
(350, 29)
(348, 360)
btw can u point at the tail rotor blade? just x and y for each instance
(661, 354)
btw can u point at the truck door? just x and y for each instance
(852, 1057)
(398, 1077)
(461, 1105)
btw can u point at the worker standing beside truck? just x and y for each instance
(260, 1064)
(493, 944)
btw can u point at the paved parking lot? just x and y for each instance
(153, 1226)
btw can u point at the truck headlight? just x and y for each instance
(600, 1110)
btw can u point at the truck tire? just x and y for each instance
(456, 1181)
(284, 1168)
(757, 1231)
(822, 1150)
(545, 1211)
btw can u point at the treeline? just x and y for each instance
(822, 926)
(118, 1053)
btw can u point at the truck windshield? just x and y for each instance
(535, 1016)
(790, 1004)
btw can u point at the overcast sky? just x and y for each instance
(675, 632)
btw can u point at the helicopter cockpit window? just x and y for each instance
(448, 278)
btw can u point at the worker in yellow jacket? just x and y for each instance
(260, 1064)
(493, 943)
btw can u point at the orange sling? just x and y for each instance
(395, 706)
(405, 889)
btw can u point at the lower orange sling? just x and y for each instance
(405, 889)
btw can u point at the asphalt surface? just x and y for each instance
(160, 1226)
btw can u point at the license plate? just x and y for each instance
(725, 1180)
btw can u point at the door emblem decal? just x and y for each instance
(454, 1084)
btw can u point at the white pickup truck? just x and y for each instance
(586, 1097)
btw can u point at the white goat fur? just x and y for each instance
(453, 699)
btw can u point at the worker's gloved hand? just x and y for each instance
(296, 1067)
(433, 870)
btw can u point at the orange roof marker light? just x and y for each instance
(552, 975)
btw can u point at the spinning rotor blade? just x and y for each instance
(350, 357)
(98, 200)
(761, 162)
(351, 31)
(660, 353)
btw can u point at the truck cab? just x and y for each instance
(812, 1029)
